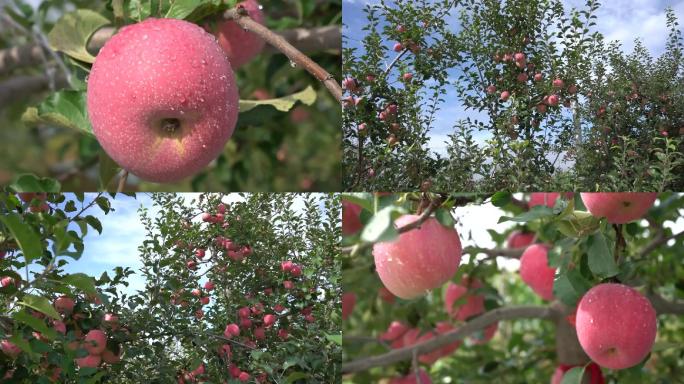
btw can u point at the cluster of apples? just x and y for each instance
(94, 342)
(616, 325)
(167, 114)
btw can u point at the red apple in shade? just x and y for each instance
(395, 330)
(411, 378)
(278, 308)
(110, 357)
(541, 108)
(90, 361)
(206, 217)
(260, 333)
(473, 304)
(59, 326)
(245, 323)
(538, 77)
(418, 260)
(209, 286)
(205, 300)
(545, 198)
(554, 100)
(243, 312)
(296, 271)
(196, 292)
(522, 77)
(95, 342)
(351, 221)
(283, 334)
(616, 325)
(401, 29)
(407, 76)
(10, 349)
(348, 303)
(519, 57)
(505, 95)
(191, 264)
(244, 377)
(386, 295)
(592, 371)
(288, 284)
(621, 207)
(535, 270)
(231, 330)
(491, 89)
(6, 281)
(200, 253)
(572, 89)
(269, 320)
(519, 239)
(239, 44)
(286, 266)
(558, 83)
(398, 47)
(64, 305)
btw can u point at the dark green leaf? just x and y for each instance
(601, 262)
(27, 239)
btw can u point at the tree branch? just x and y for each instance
(665, 307)
(240, 16)
(657, 241)
(478, 323)
(20, 87)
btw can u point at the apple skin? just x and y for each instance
(474, 303)
(535, 270)
(518, 239)
(418, 260)
(621, 207)
(179, 75)
(95, 342)
(239, 45)
(64, 304)
(90, 361)
(10, 349)
(351, 221)
(546, 198)
(348, 304)
(616, 325)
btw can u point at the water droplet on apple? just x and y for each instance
(144, 37)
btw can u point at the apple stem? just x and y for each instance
(122, 181)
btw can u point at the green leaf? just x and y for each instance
(294, 376)
(600, 258)
(535, 213)
(72, 32)
(337, 339)
(82, 282)
(94, 222)
(501, 199)
(363, 199)
(35, 323)
(40, 304)
(27, 182)
(381, 226)
(444, 217)
(103, 203)
(26, 237)
(283, 104)
(108, 169)
(570, 286)
(573, 376)
(64, 109)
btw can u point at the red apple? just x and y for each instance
(474, 303)
(619, 208)
(518, 239)
(90, 361)
(348, 303)
(95, 342)
(616, 325)
(64, 305)
(535, 270)
(351, 221)
(418, 260)
(505, 95)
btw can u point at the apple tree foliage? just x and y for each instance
(533, 336)
(283, 140)
(550, 104)
(168, 331)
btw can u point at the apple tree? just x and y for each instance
(192, 95)
(538, 99)
(244, 290)
(569, 288)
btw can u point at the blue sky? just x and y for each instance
(623, 20)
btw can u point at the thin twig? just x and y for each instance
(241, 17)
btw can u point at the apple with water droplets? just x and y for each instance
(162, 99)
(418, 260)
(619, 207)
